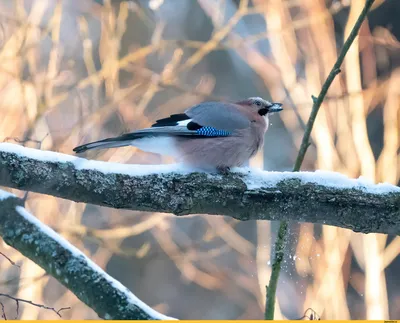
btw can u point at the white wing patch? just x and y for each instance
(184, 122)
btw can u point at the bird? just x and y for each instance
(213, 136)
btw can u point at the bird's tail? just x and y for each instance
(106, 143)
(124, 140)
(132, 139)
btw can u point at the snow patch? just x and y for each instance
(5, 195)
(101, 166)
(253, 178)
(257, 179)
(77, 253)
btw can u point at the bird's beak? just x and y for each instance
(276, 107)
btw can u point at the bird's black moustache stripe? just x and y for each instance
(263, 111)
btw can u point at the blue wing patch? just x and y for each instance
(212, 132)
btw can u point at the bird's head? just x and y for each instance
(261, 106)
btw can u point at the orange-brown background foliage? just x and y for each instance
(75, 71)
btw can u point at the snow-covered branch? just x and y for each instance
(106, 296)
(246, 194)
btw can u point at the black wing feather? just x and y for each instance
(171, 120)
(193, 129)
(193, 126)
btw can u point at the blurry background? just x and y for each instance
(76, 71)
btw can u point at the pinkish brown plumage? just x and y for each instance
(226, 152)
(211, 135)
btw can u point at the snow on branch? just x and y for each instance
(105, 295)
(245, 194)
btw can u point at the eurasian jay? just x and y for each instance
(210, 135)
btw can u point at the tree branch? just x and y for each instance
(320, 197)
(305, 143)
(21, 300)
(106, 296)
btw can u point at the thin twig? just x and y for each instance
(317, 102)
(312, 317)
(3, 312)
(18, 300)
(22, 141)
(9, 260)
(27, 139)
(17, 311)
(335, 71)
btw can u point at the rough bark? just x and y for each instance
(91, 285)
(200, 193)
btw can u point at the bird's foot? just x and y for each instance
(223, 170)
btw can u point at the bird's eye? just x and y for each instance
(258, 103)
